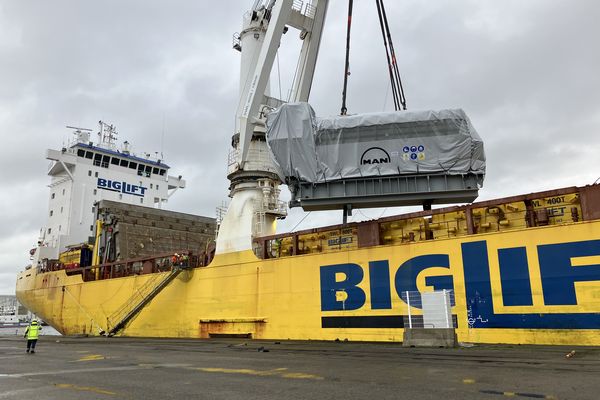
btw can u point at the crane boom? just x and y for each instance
(255, 86)
(309, 19)
(255, 204)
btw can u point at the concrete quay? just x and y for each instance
(134, 368)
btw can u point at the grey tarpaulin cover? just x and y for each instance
(317, 150)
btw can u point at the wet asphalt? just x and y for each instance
(126, 368)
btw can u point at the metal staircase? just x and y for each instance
(142, 296)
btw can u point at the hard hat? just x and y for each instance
(34, 321)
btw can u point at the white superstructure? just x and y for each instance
(86, 172)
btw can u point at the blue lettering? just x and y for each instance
(557, 270)
(379, 277)
(406, 276)
(122, 187)
(514, 275)
(329, 287)
(116, 185)
(559, 276)
(480, 308)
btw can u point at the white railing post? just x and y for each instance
(446, 309)
(409, 314)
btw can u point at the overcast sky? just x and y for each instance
(164, 72)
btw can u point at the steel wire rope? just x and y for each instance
(344, 109)
(394, 72)
(303, 218)
(101, 331)
(393, 55)
(294, 80)
(279, 75)
(363, 214)
(387, 55)
(387, 92)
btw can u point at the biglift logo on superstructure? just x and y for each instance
(121, 187)
(563, 272)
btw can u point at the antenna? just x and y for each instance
(82, 135)
(78, 128)
(162, 137)
(107, 135)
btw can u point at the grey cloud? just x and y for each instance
(525, 72)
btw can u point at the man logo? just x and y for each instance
(375, 155)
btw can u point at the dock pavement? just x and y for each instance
(230, 369)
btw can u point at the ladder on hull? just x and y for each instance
(139, 300)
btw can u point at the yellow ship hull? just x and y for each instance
(532, 286)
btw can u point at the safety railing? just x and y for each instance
(429, 310)
(304, 8)
(130, 267)
(236, 42)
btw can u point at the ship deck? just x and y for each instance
(101, 368)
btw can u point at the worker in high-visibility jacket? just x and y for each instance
(31, 334)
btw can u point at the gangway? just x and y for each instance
(140, 298)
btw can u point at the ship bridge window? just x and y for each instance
(53, 195)
(97, 159)
(155, 171)
(162, 172)
(148, 170)
(105, 161)
(133, 165)
(114, 161)
(89, 155)
(140, 170)
(80, 153)
(124, 163)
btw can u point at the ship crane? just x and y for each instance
(417, 158)
(254, 189)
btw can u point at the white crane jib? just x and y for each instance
(255, 204)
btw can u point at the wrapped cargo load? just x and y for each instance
(316, 150)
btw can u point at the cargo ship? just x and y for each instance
(522, 269)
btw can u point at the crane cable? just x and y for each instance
(347, 65)
(396, 82)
